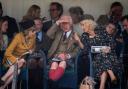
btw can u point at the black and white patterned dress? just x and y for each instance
(102, 62)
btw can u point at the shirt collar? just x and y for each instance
(68, 33)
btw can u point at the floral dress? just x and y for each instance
(102, 62)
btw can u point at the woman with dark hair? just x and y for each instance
(3, 39)
(104, 60)
(3, 36)
(23, 42)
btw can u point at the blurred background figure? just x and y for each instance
(3, 41)
(76, 13)
(55, 11)
(125, 49)
(33, 12)
(1, 9)
(114, 15)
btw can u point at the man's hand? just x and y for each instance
(59, 21)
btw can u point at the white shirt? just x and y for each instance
(68, 33)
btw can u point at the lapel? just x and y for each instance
(55, 43)
(70, 41)
(58, 38)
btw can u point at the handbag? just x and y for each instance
(87, 83)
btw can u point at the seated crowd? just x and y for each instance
(61, 38)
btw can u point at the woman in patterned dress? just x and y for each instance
(104, 63)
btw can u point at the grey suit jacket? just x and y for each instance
(56, 33)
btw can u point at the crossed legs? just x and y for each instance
(7, 78)
(104, 76)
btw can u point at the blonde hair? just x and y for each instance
(31, 13)
(92, 23)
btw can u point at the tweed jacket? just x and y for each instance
(56, 34)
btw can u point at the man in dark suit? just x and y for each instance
(114, 16)
(36, 62)
(64, 46)
(125, 49)
(42, 40)
(56, 10)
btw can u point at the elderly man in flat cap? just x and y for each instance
(63, 48)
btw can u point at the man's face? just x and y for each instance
(65, 26)
(117, 12)
(125, 24)
(38, 24)
(54, 12)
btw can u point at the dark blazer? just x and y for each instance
(44, 44)
(56, 33)
(46, 26)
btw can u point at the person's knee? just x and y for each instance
(21, 62)
(56, 74)
(54, 65)
(62, 64)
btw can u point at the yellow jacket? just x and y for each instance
(18, 47)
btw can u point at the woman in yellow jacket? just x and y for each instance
(23, 42)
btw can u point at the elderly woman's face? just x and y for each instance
(84, 26)
(65, 26)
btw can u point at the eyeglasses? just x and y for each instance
(53, 9)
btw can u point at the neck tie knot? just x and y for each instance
(64, 36)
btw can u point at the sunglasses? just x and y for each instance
(53, 9)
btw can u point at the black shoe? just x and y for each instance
(114, 82)
(1, 82)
